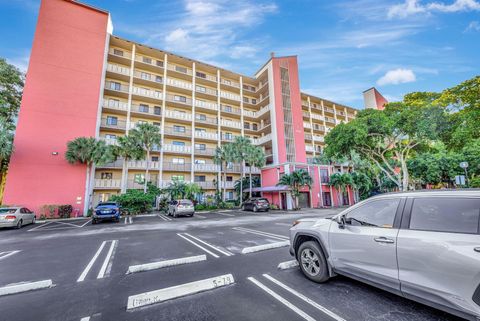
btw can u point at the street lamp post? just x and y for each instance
(464, 165)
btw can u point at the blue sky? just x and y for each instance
(343, 47)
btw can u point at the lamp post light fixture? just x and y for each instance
(464, 165)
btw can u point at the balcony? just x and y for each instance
(230, 96)
(308, 137)
(205, 120)
(329, 110)
(307, 125)
(147, 110)
(182, 100)
(179, 69)
(317, 117)
(205, 90)
(206, 185)
(178, 115)
(251, 101)
(255, 170)
(177, 149)
(118, 69)
(206, 168)
(116, 86)
(230, 109)
(176, 167)
(309, 148)
(186, 133)
(114, 104)
(179, 84)
(113, 123)
(120, 53)
(230, 83)
(109, 141)
(262, 111)
(157, 79)
(142, 164)
(206, 135)
(231, 123)
(263, 139)
(330, 120)
(107, 183)
(227, 184)
(206, 105)
(317, 138)
(205, 151)
(147, 93)
(149, 61)
(202, 75)
(318, 127)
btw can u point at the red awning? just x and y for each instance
(269, 189)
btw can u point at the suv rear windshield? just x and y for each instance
(185, 202)
(446, 214)
(107, 204)
(7, 210)
(262, 200)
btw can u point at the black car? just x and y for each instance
(106, 211)
(256, 204)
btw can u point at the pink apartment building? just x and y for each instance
(84, 81)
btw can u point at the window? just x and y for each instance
(158, 78)
(154, 158)
(324, 176)
(115, 85)
(229, 178)
(246, 125)
(178, 178)
(147, 60)
(157, 110)
(229, 165)
(199, 178)
(181, 69)
(159, 63)
(254, 101)
(201, 117)
(156, 123)
(118, 52)
(200, 146)
(143, 108)
(110, 136)
(182, 99)
(201, 74)
(327, 199)
(106, 175)
(228, 136)
(201, 89)
(145, 75)
(200, 130)
(139, 178)
(245, 99)
(176, 143)
(229, 195)
(112, 102)
(254, 126)
(200, 161)
(178, 160)
(112, 120)
(178, 129)
(379, 213)
(142, 122)
(455, 215)
(227, 108)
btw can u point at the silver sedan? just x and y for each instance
(16, 217)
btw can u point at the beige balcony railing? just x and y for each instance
(177, 148)
(206, 104)
(107, 183)
(178, 115)
(118, 69)
(206, 135)
(114, 104)
(229, 95)
(148, 93)
(118, 124)
(179, 83)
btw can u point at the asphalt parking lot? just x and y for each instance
(205, 267)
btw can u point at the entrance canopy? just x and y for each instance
(270, 189)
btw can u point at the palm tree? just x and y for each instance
(128, 148)
(223, 156)
(191, 190)
(149, 137)
(87, 151)
(341, 181)
(295, 181)
(252, 181)
(6, 142)
(254, 157)
(242, 146)
(176, 189)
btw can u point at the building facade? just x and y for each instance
(84, 81)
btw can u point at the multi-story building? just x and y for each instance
(84, 81)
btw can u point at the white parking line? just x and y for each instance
(101, 273)
(37, 227)
(264, 247)
(4, 255)
(287, 265)
(281, 299)
(284, 224)
(275, 236)
(224, 252)
(85, 223)
(199, 246)
(90, 264)
(225, 214)
(164, 217)
(130, 219)
(304, 298)
(85, 319)
(125, 220)
(163, 264)
(157, 296)
(200, 216)
(24, 287)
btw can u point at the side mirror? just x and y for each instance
(341, 221)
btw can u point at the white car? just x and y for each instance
(16, 217)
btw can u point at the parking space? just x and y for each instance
(181, 269)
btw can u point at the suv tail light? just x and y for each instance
(10, 217)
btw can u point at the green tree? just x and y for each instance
(176, 189)
(192, 190)
(362, 184)
(149, 137)
(296, 180)
(255, 156)
(241, 147)
(87, 151)
(387, 138)
(251, 181)
(341, 181)
(224, 155)
(6, 144)
(11, 89)
(128, 148)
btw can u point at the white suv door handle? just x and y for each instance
(383, 239)
(477, 249)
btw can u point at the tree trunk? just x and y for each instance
(241, 182)
(250, 192)
(225, 182)
(124, 176)
(146, 172)
(87, 192)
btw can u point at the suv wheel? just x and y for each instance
(243, 207)
(312, 262)
(255, 208)
(19, 224)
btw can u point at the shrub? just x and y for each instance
(134, 201)
(200, 207)
(49, 211)
(274, 207)
(64, 211)
(211, 207)
(90, 212)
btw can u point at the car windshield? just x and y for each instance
(107, 204)
(7, 210)
(185, 202)
(262, 200)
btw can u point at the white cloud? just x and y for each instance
(20, 61)
(413, 7)
(473, 26)
(397, 76)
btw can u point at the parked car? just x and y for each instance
(181, 207)
(256, 204)
(16, 217)
(423, 245)
(106, 211)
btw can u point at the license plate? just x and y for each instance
(106, 212)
